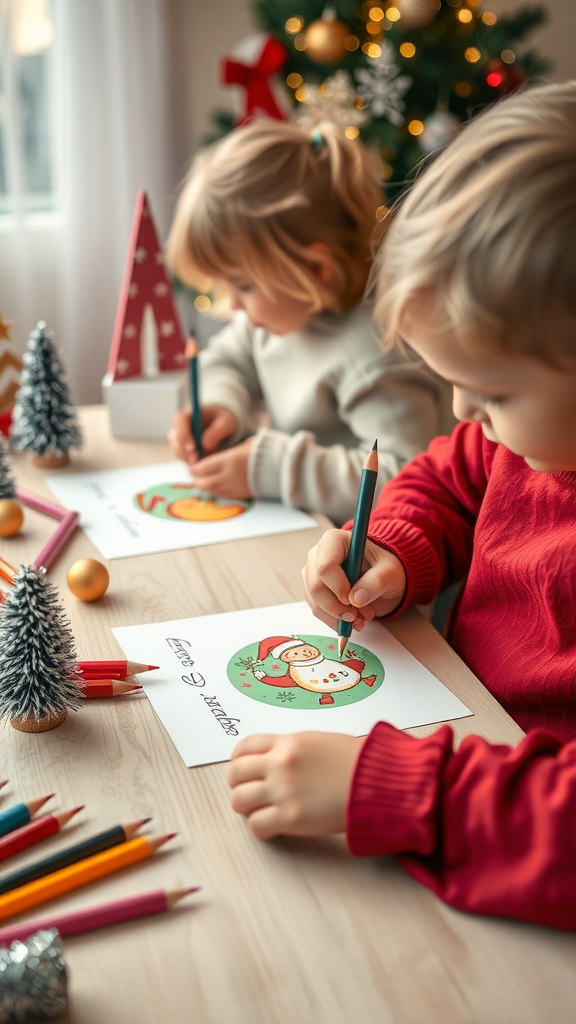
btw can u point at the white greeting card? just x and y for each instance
(144, 509)
(277, 670)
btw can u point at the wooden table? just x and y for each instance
(284, 932)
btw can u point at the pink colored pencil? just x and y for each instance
(68, 524)
(50, 508)
(80, 921)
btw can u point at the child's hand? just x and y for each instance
(217, 424)
(293, 785)
(328, 591)
(225, 473)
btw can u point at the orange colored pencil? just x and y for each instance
(108, 687)
(76, 875)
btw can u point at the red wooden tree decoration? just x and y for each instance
(145, 283)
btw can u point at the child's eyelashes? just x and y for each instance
(490, 399)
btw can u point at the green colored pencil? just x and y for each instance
(196, 416)
(352, 565)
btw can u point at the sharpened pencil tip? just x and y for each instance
(144, 821)
(375, 445)
(78, 809)
(4, 783)
(342, 641)
(151, 668)
(194, 888)
(171, 836)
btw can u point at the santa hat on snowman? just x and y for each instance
(276, 646)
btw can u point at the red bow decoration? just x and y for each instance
(254, 78)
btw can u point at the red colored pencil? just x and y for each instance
(80, 921)
(35, 832)
(108, 687)
(112, 669)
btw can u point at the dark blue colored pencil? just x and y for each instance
(352, 565)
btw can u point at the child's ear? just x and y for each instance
(321, 261)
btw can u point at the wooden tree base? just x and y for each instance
(33, 724)
(51, 461)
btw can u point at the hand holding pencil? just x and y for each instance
(330, 594)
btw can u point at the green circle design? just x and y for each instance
(240, 674)
(165, 500)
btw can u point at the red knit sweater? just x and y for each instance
(487, 828)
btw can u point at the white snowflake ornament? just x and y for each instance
(333, 100)
(439, 129)
(382, 87)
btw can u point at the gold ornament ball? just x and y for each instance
(417, 13)
(11, 517)
(325, 40)
(88, 579)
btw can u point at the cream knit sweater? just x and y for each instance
(328, 392)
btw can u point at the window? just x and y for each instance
(27, 174)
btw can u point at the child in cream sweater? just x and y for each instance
(282, 219)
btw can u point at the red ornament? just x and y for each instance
(255, 79)
(505, 77)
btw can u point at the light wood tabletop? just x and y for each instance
(281, 932)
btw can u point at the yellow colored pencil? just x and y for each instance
(76, 875)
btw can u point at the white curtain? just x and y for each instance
(111, 135)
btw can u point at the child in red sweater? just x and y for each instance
(479, 266)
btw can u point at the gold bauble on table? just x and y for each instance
(88, 579)
(33, 724)
(417, 13)
(51, 461)
(325, 40)
(11, 517)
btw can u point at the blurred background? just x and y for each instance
(99, 98)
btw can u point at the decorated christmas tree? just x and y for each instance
(45, 420)
(7, 482)
(402, 75)
(38, 662)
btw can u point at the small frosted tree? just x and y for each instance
(44, 419)
(7, 482)
(38, 661)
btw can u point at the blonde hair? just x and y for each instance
(254, 201)
(489, 229)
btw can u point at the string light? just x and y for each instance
(463, 89)
(294, 80)
(407, 49)
(472, 55)
(464, 15)
(300, 43)
(508, 56)
(489, 18)
(376, 14)
(294, 25)
(416, 127)
(352, 132)
(393, 14)
(386, 171)
(494, 79)
(301, 94)
(381, 212)
(373, 28)
(351, 43)
(371, 50)
(202, 303)
(32, 28)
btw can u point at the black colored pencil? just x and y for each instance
(71, 855)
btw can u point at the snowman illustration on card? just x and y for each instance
(304, 672)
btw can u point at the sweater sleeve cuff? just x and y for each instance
(413, 549)
(393, 800)
(265, 463)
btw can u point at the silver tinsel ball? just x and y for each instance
(33, 979)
